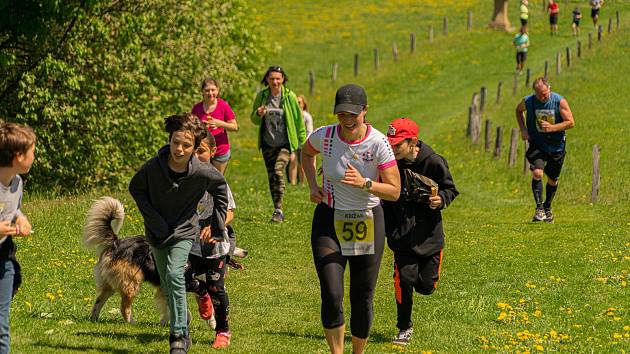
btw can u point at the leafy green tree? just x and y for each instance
(95, 78)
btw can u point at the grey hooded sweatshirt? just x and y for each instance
(169, 208)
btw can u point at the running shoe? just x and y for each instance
(236, 265)
(403, 337)
(539, 215)
(548, 216)
(222, 340)
(277, 216)
(180, 344)
(205, 306)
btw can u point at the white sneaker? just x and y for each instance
(403, 337)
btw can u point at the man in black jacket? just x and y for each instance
(413, 223)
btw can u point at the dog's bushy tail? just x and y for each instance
(103, 222)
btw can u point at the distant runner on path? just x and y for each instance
(521, 43)
(543, 119)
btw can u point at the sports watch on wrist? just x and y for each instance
(368, 184)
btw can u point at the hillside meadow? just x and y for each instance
(507, 285)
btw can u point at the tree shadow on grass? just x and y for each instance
(139, 337)
(81, 348)
(296, 335)
(375, 337)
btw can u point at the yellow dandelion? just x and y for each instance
(504, 306)
(537, 313)
(539, 347)
(50, 296)
(617, 335)
(502, 316)
(29, 305)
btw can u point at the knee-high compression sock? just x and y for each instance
(537, 189)
(550, 192)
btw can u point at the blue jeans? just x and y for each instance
(6, 291)
(170, 262)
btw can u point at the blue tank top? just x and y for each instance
(549, 111)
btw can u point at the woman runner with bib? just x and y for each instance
(359, 169)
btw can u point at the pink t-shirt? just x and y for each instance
(222, 112)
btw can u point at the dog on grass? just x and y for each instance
(123, 263)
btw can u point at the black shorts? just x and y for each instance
(523, 22)
(594, 13)
(553, 19)
(577, 23)
(520, 57)
(550, 163)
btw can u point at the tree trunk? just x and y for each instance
(500, 16)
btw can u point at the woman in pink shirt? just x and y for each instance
(217, 115)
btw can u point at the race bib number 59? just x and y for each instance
(355, 231)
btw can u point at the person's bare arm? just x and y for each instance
(567, 120)
(520, 119)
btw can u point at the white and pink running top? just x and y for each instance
(368, 156)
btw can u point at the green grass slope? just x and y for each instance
(507, 285)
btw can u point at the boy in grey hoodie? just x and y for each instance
(167, 190)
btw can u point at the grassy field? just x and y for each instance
(507, 285)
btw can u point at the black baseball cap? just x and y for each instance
(350, 98)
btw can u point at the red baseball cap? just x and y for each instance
(401, 129)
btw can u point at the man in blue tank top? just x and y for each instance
(543, 119)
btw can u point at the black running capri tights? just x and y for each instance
(330, 265)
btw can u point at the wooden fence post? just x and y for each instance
(471, 114)
(595, 188)
(600, 29)
(445, 30)
(476, 127)
(311, 82)
(356, 65)
(568, 57)
(617, 19)
(515, 85)
(499, 87)
(590, 40)
(412, 43)
(395, 51)
(498, 143)
(376, 61)
(579, 49)
(609, 25)
(334, 72)
(482, 100)
(488, 132)
(430, 34)
(546, 69)
(513, 146)
(525, 162)
(544, 5)
(558, 63)
(528, 74)
(470, 20)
